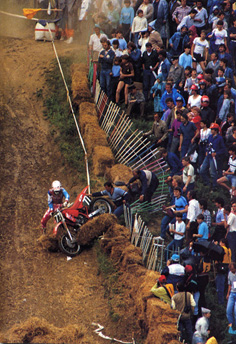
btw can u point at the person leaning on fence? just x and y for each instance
(117, 195)
(162, 290)
(184, 302)
(149, 182)
(174, 271)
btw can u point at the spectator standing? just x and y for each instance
(188, 20)
(139, 24)
(180, 12)
(207, 115)
(202, 327)
(200, 51)
(200, 20)
(231, 230)
(164, 65)
(159, 130)
(205, 212)
(95, 46)
(179, 234)
(170, 92)
(232, 42)
(147, 9)
(193, 211)
(126, 19)
(160, 16)
(135, 59)
(157, 90)
(154, 37)
(188, 133)
(231, 297)
(222, 271)
(150, 62)
(179, 301)
(126, 78)
(106, 57)
(203, 231)
(185, 59)
(220, 219)
(188, 175)
(214, 63)
(178, 41)
(173, 4)
(205, 132)
(214, 157)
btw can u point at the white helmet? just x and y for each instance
(56, 185)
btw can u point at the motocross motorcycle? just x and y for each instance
(70, 219)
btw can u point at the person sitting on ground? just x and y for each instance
(159, 130)
(202, 325)
(149, 182)
(136, 101)
(117, 195)
(162, 290)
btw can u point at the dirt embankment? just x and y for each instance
(56, 300)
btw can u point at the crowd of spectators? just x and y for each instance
(180, 59)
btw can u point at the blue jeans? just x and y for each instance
(186, 332)
(231, 309)
(220, 287)
(119, 211)
(148, 82)
(105, 81)
(174, 245)
(208, 165)
(164, 225)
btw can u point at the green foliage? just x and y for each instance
(58, 113)
(110, 277)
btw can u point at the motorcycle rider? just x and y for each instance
(55, 201)
(118, 196)
(149, 182)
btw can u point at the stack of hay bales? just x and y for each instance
(79, 85)
(94, 137)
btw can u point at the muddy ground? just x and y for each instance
(34, 282)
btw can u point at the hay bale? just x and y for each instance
(119, 172)
(87, 121)
(78, 67)
(131, 255)
(48, 242)
(79, 85)
(95, 136)
(95, 228)
(88, 109)
(102, 158)
(35, 330)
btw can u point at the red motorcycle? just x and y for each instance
(70, 219)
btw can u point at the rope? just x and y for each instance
(67, 91)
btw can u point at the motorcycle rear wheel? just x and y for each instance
(68, 247)
(103, 204)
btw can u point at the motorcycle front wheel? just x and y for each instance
(103, 204)
(67, 246)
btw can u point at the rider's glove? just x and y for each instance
(65, 203)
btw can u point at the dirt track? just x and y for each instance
(35, 282)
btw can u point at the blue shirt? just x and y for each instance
(188, 131)
(127, 15)
(203, 230)
(185, 60)
(174, 164)
(180, 204)
(115, 71)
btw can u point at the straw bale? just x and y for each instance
(79, 67)
(48, 242)
(95, 136)
(35, 330)
(102, 157)
(95, 228)
(119, 172)
(79, 85)
(88, 109)
(131, 255)
(87, 120)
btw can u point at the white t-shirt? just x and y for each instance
(200, 45)
(95, 41)
(188, 171)
(204, 134)
(232, 164)
(220, 36)
(194, 101)
(231, 221)
(179, 227)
